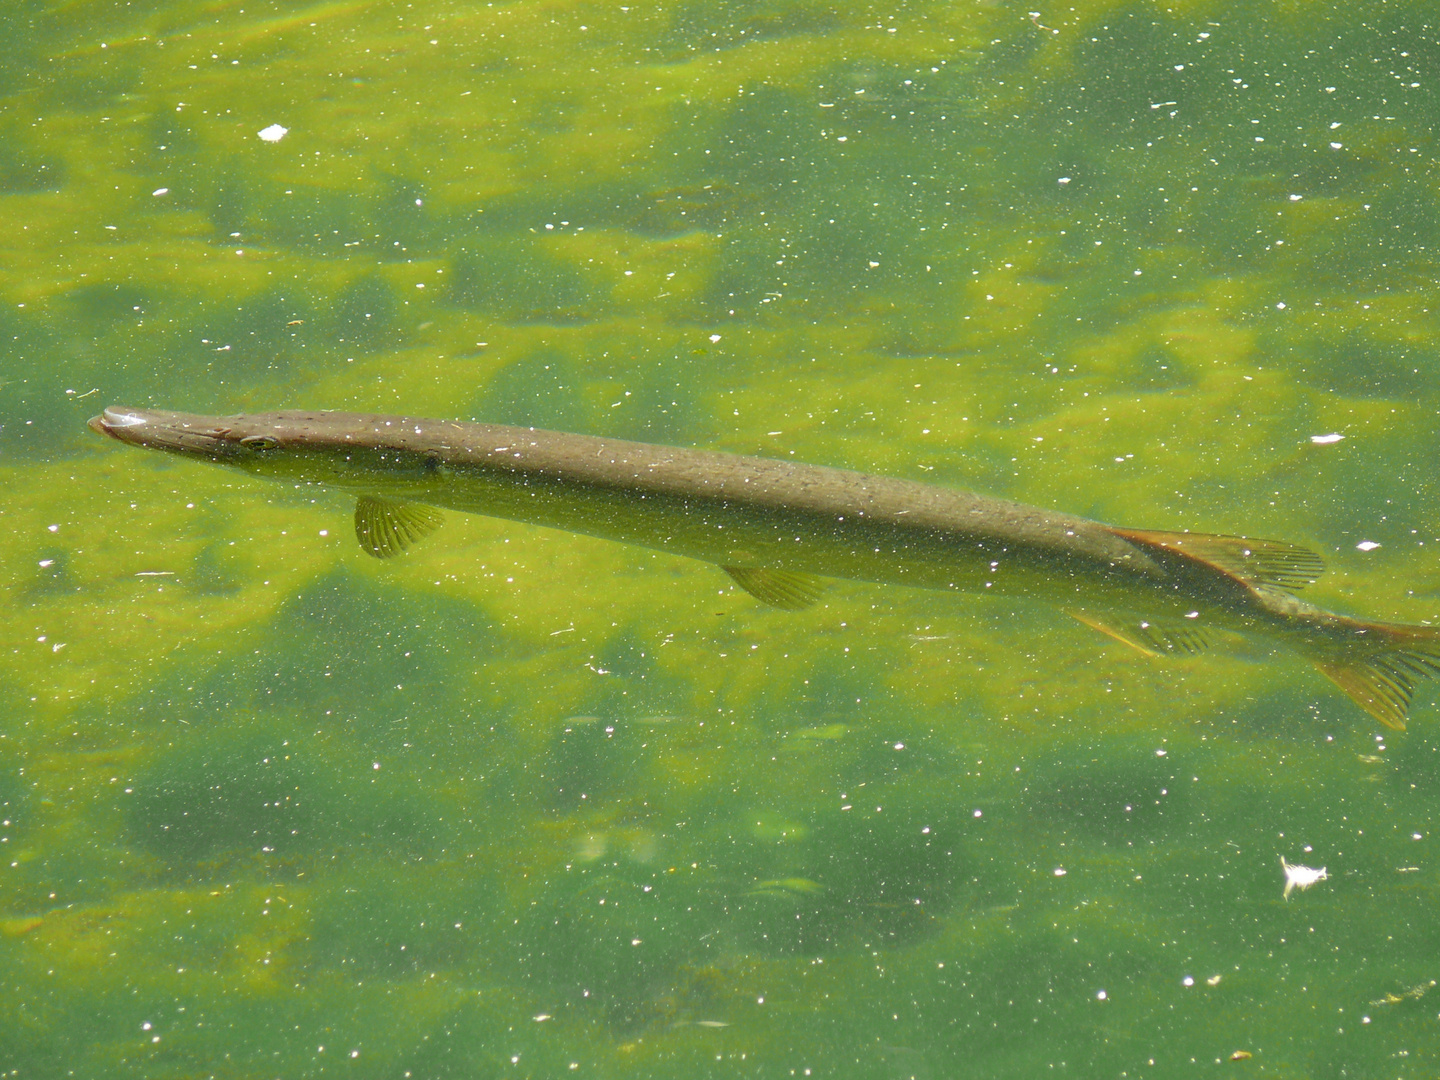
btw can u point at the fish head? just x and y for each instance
(217, 438)
(294, 446)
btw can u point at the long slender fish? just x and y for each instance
(776, 527)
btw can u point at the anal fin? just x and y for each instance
(785, 589)
(1146, 636)
(385, 528)
(1109, 631)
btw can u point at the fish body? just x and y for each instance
(777, 526)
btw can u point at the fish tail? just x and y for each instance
(1379, 665)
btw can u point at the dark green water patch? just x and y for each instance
(1413, 761)
(1113, 791)
(518, 281)
(692, 28)
(23, 170)
(624, 392)
(346, 653)
(1362, 367)
(592, 762)
(233, 791)
(404, 922)
(614, 928)
(268, 790)
(254, 333)
(364, 315)
(541, 389)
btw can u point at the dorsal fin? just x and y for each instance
(386, 528)
(1257, 562)
(778, 588)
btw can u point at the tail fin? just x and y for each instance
(1379, 672)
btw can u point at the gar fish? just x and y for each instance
(777, 527)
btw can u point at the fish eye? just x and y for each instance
(259, 442)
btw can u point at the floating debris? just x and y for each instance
(829, 731)
(791, 886)
(1300, 877)
(1416, 991)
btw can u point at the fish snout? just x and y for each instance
(116, 419)
(154, 429)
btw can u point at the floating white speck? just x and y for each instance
(274, 133)
(714, 338)
(1296, 198)
(1300, 877)
(1059, 871)
(161, 191)
(1100, 995)
(1063, 180)
(1366, 545)
(1326, 440)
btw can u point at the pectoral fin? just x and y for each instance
(386, 528)
(778, 588)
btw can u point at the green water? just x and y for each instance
(534, 805)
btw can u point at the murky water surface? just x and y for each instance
(529, 804)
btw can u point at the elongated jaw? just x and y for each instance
(115, 421)
(161, 429)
